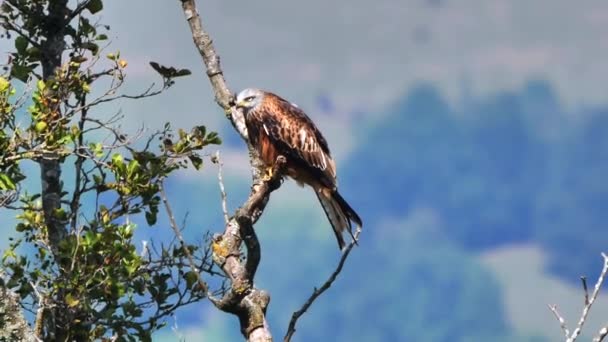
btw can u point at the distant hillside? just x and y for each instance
(515, 167)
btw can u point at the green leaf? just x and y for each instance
(71, 301)
(40, 126)
(34, 54)
(117, 161)
(132, 168)
(21, 45)
(197, 161)
(191, 278)
(97, 149)
(94, 6)
(97, 179)
(90, 238)
(4, 84)
(6, 183)
(41, 86)
(20, 72)
(212, 138)
(94, 48)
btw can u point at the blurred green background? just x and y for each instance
(471, 136)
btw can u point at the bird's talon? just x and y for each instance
(268, 173)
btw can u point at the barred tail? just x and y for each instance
(340, 215)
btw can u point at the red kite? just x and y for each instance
(277, 127)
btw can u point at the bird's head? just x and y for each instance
(249, 99)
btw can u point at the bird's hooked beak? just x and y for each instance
(240, 104)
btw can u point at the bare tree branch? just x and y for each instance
(587, 307)
(589, 300)
(204, 44)
(217, 160)
(584, 281)
(178, 233)
(291, 329)
(79, 8)
(560, 319)
(601, 335)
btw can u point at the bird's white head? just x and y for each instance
(249, 99)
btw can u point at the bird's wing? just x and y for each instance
(295, 135)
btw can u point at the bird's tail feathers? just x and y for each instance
(340, 215)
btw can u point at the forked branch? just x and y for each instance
(589, 300)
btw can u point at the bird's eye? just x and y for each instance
(249, 98)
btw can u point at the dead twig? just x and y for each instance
(584, 281)
(216, 159)
(202, 284)
(560, 319)
(291, 329)
(589, 300)
(601, 335)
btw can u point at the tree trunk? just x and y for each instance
(54, 319)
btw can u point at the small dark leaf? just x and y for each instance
(95, 6)
(212, 138)
(191, 278)
(169, 72)
(85, 27)
(150, 218)
(182, 72)
(21, 44)
(79, 59)
(160, 69)
(20, 72)
(94, 48)
(202, 130)
(197, 161)
(33, 53)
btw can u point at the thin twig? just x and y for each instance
(587, 307)
(79, 8)
(217, 160)
(584, 281)
(602, 334)
(179, 235)
(40, 313)
(291, 329)
(560, 319)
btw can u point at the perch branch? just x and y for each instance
(242, 298)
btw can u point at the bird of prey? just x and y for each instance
(276, 128)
